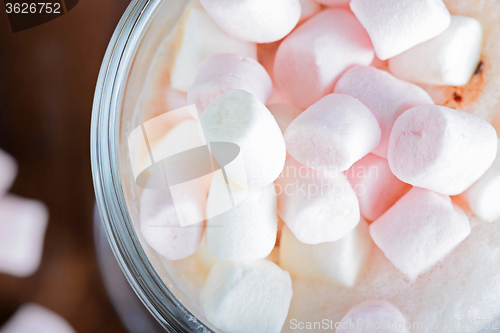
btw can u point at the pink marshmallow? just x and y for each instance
(223, 72)
(420, 230)
(160, 220)
(284, 114)
(395, 26)
(441, 149)
(385, 95)
(333, 133)
(334, 3)
(259, 21)
(8, 171)
(23, 223)
(375, 185)
(373, 316)
(312, 58)
(318, 207)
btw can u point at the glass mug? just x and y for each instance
(124, 90)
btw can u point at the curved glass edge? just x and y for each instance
(105, 127)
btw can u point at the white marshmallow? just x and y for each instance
(333, 133)
(340, 261)
(239, 117)
(318, 207)
(8, 171)
(204, 257)
(201, 38)
(375, 185)
(222, 72)
(484, 195)
(395, 26)
(308, 9)
(441, 149)
(259, 21)
(420, 230)
(31, 317)
(451, 58)
(385, 95)
(245, 230)
(284, 114)
(23, 223)
(161, 215)
(373, 316)
(247, 297)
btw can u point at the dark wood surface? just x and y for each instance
(47, 79)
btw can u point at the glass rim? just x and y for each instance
(106, 174)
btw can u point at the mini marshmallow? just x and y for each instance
(333, 133)
(222, 72)
(246, 228)
(441, 149)
(395, 26)
(284, 114)
(312, 58)
(338, 262)
(317, 206)
(8, 171)
(484, 195)
(420, 230)
(259, 21)
(373, 316)
(451, 58)
(247, 297)
(239, 117)
(375, 185)
(201, 38)
(31, 317)
(385, 95)
(308, 9)
(160, 219)
(23, 223)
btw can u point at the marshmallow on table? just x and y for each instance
(441, 149)
(23, 223)
(420, 230)
(242, 223)
(373, 316)
(317, 206)
(333, 133)
(259, 21)
(385, 95)
(395, 26)
(340, 261)
(161, 215)
(484, 195)
(32, 317)
(308, 9)
(284, 114)
(201, 38)
(375, 185)
(8, 171)
(312, 58)
(222, 72)
(247, 297)
(451, 58)
(239, 117)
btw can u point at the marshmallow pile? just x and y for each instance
(348, 156)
